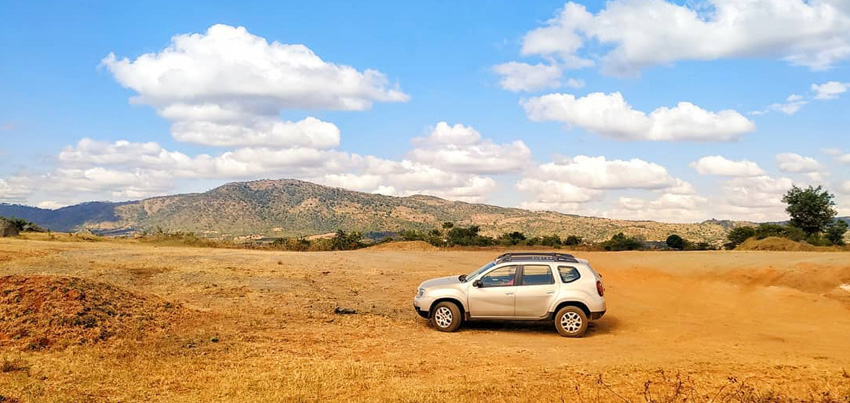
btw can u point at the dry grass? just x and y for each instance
(692, 326)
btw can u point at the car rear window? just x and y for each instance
(568, 274)
(537, 275)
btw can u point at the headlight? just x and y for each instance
(420, 293)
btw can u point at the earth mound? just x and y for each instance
(406, 246)
(775, 244)
(38, 312)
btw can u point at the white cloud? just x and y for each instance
(610, 115)
(518, 76)
(227, 87)
(790, 162)
(14, 190)
(845, 187)
(601, 173)
(792, 105)
(309, 132)
(567, 184)
(831, 151)
(229, 63)
(635, 34)
(756, 192)
(667, 207)
(721, 166)
(461, 148)
(830, 90)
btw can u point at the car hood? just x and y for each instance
(440, 282)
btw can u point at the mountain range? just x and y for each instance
(286, 208)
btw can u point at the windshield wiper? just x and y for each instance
(462, 278)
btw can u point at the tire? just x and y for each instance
(571, 321)
(446, 317)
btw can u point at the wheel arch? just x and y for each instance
(578, 304)
(448, 299)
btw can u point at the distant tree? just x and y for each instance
(811, 209)
(512, 238)
(835, 232)
(448, 225)
(343, 241)
(468, 236)
(675, 242)
(573, 240)
(738, 235)
(551, 240)
(622, 242)
(533, 241)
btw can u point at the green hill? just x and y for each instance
(281, 208)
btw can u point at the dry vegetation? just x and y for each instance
(260, 326)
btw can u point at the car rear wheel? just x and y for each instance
(571, 321)
(446, 317)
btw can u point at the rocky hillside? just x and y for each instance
(281, 208)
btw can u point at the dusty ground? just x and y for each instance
(687, 326)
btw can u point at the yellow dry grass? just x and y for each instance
(682, 326)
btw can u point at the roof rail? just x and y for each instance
(558, 257)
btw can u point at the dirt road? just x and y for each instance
(686, 326)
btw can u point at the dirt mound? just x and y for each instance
(775, 244)
(38, 312)
(407, 246)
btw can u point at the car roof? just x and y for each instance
(535, 257)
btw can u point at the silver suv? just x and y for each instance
(517, 286)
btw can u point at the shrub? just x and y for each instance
(551, 240)
(622, 242)
(835, 232)
(512, 238)
(573, 240)
(676, 242)
(738, 235)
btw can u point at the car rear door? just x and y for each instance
(536, 291)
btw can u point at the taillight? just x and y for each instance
(599, 288)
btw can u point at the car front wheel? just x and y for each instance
(571, 321)
(446, 317)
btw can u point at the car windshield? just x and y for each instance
(479, 271)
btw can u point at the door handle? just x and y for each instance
(550, 292)
(509, 293)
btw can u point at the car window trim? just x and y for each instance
(516, 273)
(561, 279)
(521, 273)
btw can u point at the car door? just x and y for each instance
(536, 291)
(496, 295)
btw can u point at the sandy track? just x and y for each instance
(768, 324)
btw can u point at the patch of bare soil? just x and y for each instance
(410, 246)
(38, 312)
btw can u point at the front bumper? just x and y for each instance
(421, 313)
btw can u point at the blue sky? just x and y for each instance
(575, 132)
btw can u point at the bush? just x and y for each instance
(783, 231)
(513, 238)
(573, 240)
(676, 242)
(551, 240)
(738, 235)
(835, 232)
(621, 242)
(468, 236)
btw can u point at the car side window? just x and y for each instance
(501, 277)
(568, 274)
(537, 275)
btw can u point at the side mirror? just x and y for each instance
(477, 284)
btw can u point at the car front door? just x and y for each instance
(536, 291)
(496, 294)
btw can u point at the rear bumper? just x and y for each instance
(597, 315)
